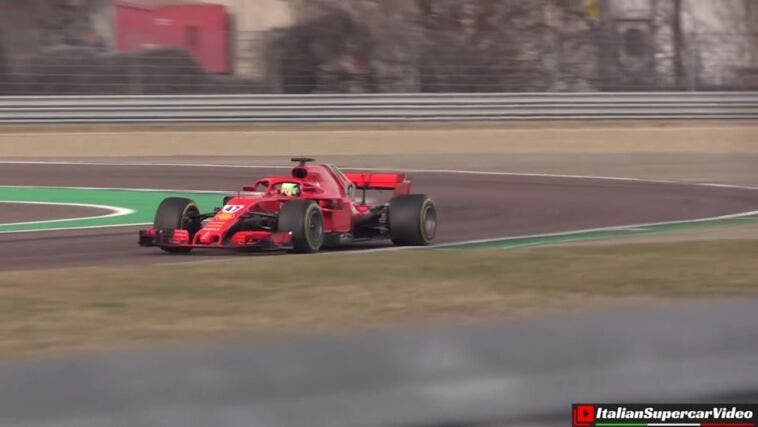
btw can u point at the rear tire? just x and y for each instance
(304, 219)
(176, 213)
(412, 220)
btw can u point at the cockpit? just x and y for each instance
(289, 189)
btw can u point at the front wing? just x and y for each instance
(248, 240)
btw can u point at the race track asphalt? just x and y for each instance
(470, 206)
(515, 374)
(24, 212)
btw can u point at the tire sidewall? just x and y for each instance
(313, 213)
(408, 216)
(170, 215)
(427, 209)
(173, 210)
(297, 216)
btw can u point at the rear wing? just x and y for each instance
(380, 181)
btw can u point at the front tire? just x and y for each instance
(176, 213)
(304, 219)
(412, 220)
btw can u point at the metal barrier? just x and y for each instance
(379, 107)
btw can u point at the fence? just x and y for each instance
(282, 62)
(402, 47)
(303, 108)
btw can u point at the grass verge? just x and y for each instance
(43, 312)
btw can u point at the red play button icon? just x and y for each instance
(583, 415)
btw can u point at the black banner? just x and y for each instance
(672, 415)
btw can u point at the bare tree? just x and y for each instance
(357, 46)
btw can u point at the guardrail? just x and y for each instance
(379, 107)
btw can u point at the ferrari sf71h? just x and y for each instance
(316, 206)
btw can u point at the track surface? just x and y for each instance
(519, 374)
(25, 212)
(470, 207)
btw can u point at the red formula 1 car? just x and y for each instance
(316, 206)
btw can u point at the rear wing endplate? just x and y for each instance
(380, 181)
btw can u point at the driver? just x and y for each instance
(290, 189)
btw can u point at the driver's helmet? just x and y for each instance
(290, 189)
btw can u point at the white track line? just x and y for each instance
(93, 227)
(115, 211)
(442, 171)
(611, 228)
(145, 190)
(417, 170)
(197, 165)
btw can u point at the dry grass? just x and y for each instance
(45, 312)
(378, 139)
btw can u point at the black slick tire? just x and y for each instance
(412, 220)
(305, 220)
(176, 213)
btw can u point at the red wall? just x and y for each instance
(134, 27)
(201, 29)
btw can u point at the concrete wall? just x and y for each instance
(718, 46)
